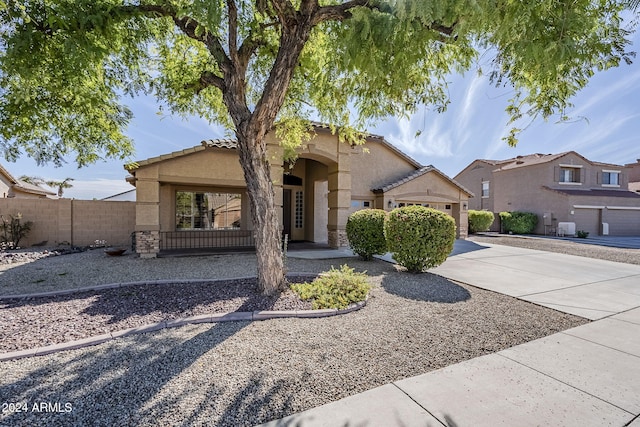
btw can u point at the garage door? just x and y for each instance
(587, 220)
(623, 222)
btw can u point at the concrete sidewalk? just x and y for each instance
(586, 376)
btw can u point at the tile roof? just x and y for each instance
(230, 144)
(418, 173)
(25, 187)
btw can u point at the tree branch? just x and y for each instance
(285, 11)
(340, 12)
(233, 31)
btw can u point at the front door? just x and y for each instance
(286, 212)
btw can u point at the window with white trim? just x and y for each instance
(485, 189)
(611, 178)
(570, 175)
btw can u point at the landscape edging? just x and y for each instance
(233, 316)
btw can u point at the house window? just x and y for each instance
(360, 204)
(611, 178)
(485, 189)
(570, 175)
(208, 211)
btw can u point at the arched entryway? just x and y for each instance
(316, 193)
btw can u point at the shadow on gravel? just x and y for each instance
(424, 287)
(135, 384)
(171, 300)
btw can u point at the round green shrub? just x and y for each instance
(334, 288)
(480, 220)
(365, 231)
(419, 238)
(518, 222)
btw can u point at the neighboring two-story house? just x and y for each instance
(567, 191)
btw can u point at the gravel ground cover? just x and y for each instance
(28, 323)
(241, 373)
(628, 256)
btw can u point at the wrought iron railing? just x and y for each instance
(206, 239)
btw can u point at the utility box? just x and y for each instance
(605, 228)
(566, 229)
(547, 218)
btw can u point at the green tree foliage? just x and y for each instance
(67, 67)
(419, 238)
(365, 231)
(480, 220)
(518, 222)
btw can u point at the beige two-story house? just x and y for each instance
(567, 191)
(196, 198)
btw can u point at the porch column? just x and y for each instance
(147, 217)
(339, 177)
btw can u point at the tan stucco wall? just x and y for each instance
(375, 165)
(472, 177)
(4, 188)
(79, 222)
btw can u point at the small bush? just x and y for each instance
(518, 222)
(582, 234)
(335, 288)
(13, 230)
(419, 238)
(365, 231)
(480, 220)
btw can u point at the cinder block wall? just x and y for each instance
(79, 222)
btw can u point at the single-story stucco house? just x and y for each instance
(11, 187)
(196, 198)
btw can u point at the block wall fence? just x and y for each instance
(75, 222)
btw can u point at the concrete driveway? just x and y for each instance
(585, 376)
(586, 287)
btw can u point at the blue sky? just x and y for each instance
(471, 128)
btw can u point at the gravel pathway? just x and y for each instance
(241, 373)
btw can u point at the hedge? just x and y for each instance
(518, 222)
(365, 231)
(480, 220)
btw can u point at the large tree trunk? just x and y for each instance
(257, 173)
(251, 130)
